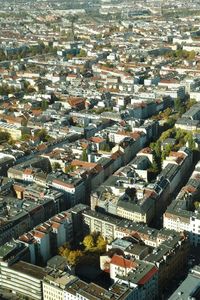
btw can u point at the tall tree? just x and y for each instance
(84, 155)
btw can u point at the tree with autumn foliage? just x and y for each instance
(101, 243)
(88, 242)
(72, 256)
(94, 242)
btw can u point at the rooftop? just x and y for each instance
(189, 288)
(29, 269)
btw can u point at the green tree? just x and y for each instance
(44, 104)
(84, 155)
(30, 89)
(167, 112)
(4, 137)
(41, 86)
(177, 104)
(56, 166)
(42, 135)
(190, 103)
(171, 122)
(190, 141)
(24, 122)
(154, 167)
(157, 161)
(105, 147)
(182, 110)
(25, 137)
(69, 56)
(166, 134)
(167, 149)
(191, 55)
(82, 53)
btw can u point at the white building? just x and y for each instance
(22, 278)
(55, 286)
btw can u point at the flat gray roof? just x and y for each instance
(189, 289)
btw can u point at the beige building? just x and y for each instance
(22, 278)
(55, 285)
(142, 212)
(14, 131)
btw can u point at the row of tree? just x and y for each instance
(181, 54)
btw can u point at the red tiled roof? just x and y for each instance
(55, 225)
(41, 147)
(96, 139)
(61, 183)
(146, 150)
(85, 164)
(169, 81)
(38, 234)
(36, 112)
(116, 154)
(28, 171)
(148, 276)
(189, 189)
(75, 101)
(123, 262)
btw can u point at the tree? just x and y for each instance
(167, 112)
(190, 141)
(157, 161)
(74, 257)
(171, 122)
(69, 168)
(88, 242)
(196, 205)
(64, 252)
(177, 104)
(182, 110)
(154, 167)
(24, 122)
(179, 134)
(41, 86)
(44, 104)
(30, 89)
(60, 250)
(42, 135)
(84, 155)
(56, 166)
(167, 149)
(105, 147)
(190, 103)
(4, 136)
(191, 55)
(69, 56)
(82, 53)
(170, 133)
(101, 243)
(25, 137)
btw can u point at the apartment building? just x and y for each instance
(182, 215)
